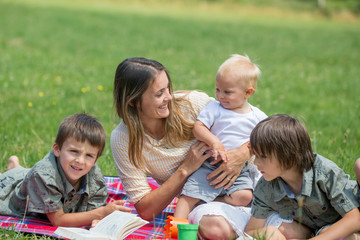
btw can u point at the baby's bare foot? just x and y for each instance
(13, 162)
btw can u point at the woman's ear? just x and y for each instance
(56, 149)
(130, 103)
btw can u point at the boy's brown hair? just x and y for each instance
(284, 138)
(82, 127)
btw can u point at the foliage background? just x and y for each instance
(59, 57)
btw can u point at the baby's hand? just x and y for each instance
(116, 205)
(219, 150)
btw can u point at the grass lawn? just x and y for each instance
(59, 57)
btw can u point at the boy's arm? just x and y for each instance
(255, 228)
(80, 219)
(347, 225)
(203, 134)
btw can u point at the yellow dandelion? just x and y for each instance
(83, 90)
(30, 104)
(54, 102)
(58, 79)
(41, 94)
(100, 87)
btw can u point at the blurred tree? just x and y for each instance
(322, 4)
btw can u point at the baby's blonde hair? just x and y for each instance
(246, 70)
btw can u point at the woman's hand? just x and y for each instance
(195, 157)
(226, 174)
(164, 194)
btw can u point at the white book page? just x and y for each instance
(79, 233)
(112, 224)
(132, 226)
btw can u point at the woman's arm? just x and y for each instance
(227, 172)
(154, 202)
(79, 219)
(347, 225)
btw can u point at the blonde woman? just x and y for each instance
(155, 139)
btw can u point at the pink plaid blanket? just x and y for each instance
(152, 230)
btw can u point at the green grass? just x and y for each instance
(59, 57)
(309, 67)
(11, 234)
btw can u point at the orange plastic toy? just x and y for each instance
(171, 230)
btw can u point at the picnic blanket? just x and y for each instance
(152, 230)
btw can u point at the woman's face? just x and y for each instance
(154, 101)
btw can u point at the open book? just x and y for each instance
(115, 226)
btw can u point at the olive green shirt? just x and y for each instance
(48, 190)
(327, 194)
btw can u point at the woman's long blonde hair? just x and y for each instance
(133, 76)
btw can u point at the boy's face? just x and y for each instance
(76, 158)
(230, 92)
(269, 167)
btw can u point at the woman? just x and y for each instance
(155, 139)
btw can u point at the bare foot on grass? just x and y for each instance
(13, 162)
